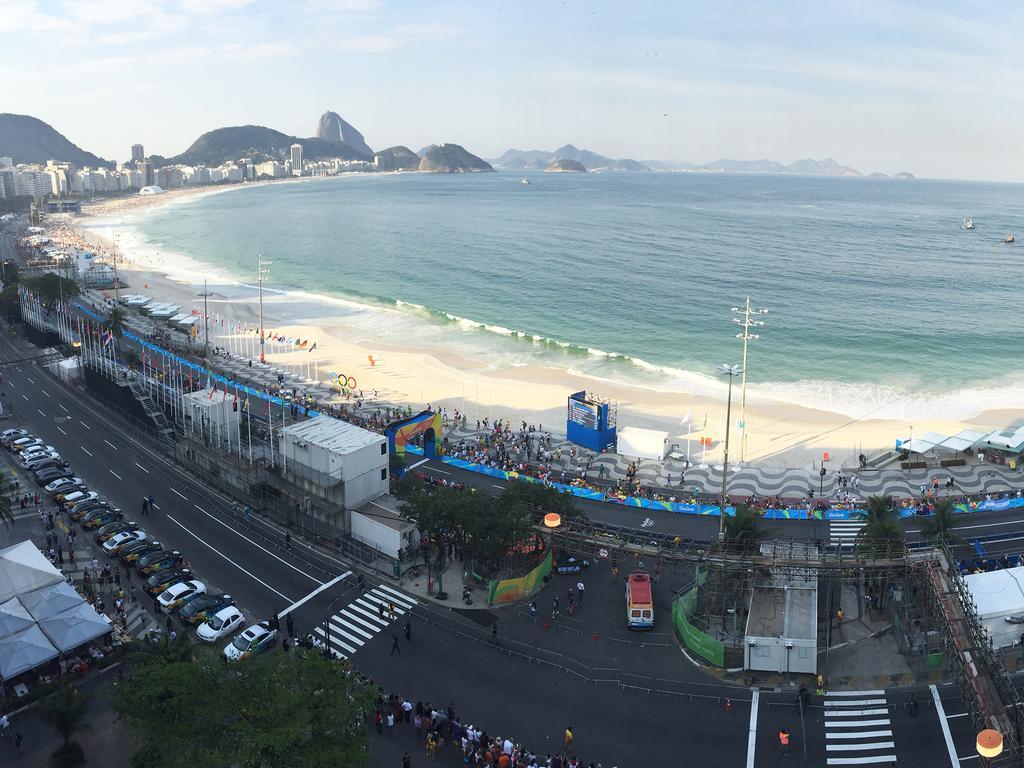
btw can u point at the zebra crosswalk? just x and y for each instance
(358, 622)
(843, 533)
(858, 729)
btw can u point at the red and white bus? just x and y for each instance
(639, 605)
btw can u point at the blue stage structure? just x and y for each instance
(590, 422)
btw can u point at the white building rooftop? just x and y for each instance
(331, 434)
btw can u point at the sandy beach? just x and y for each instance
(778, 433)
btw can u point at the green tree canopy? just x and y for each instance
(744, 530)
(883, 533)
(51, 287)
(279, 709)
(939, 528)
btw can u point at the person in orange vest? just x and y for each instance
(783, 742)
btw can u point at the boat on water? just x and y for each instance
(968, 223)
(524, 180)
(1010, 239)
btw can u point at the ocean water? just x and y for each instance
(879, 304)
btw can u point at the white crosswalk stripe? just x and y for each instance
(857, 742)
(362, 619)
(844, 532)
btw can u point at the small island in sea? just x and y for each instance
(565, 165)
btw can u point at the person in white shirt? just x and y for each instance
(507, 747)
(579, 591)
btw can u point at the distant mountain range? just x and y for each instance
(28, 139)
(539, 159)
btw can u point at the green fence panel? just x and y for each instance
(697, 641)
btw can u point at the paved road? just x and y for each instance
(518, 684)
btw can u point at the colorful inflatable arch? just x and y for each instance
(426, 423)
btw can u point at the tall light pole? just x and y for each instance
(262, 270)
(732, 371)
(206, 319)
(742, 317)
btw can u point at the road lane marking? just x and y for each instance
(752, 732)
(142, 468)
(435, 469)
(858, 734)
(45, 392)
(26, 398)
(856, 703)
(885, 759)
(62, 431)
(954, 761)
(110, 444)
(263, 549)
(243, 570)
(86, 450)
(418, 463)
(29, 379)
(182, 495)
(40, 413)
(63, 408)
(84, 424)
(115, 474)
(400, 596)
(962, 714)
(855, 713)
(337, 628)
(855, 723)
(499, 487)
(313, 594)
(833, 694)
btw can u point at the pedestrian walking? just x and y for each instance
(533, 611)
(569, 738)
(408, 631)
(406, 761)
(579, 591)
(287, 540)
(145, 506)
(394, 645)
(554, 607)
(783, 743)
(60, 555)
(494, 632)
(17, 741)
(378, 721)
(391, 611)
(133, 593)
(913, 705)
(380, 610)
(391, 723)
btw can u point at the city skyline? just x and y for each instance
(880, 86)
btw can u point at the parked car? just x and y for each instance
(39, 452)
(82, 508)
(69, 501)
(161, 580)
(219, 624)
(8, 436)
(63, 486)
(21, 443)
(130, 553)
(197, 610)
(256, 639)
(175, 596)
(108, 530)
(42, 462)
(100, 517)
(115, 543)
(50, 474)
(158, 561)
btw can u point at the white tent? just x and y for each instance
(14, 617)
(74, 627)
(925, 443)
(999, 594)
(23, 651)
(23, 569)
(963, 440)
(642, 443)
(49, 601)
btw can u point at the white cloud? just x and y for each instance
(211, 7)
(396, 38)
(24, 15)
(342, 6)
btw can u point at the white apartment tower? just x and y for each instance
(296, 159)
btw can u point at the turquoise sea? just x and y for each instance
(878, 302)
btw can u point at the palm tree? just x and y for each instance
(116, 321)
(744, 531)
(940, 527)
(66, 710)
(882, 534)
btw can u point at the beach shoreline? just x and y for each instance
(779, 433)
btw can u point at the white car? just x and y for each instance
(8, 436)
(73, 498)
(115, 543)
(172, 598)
(64, 482)
(38, 459)
(38, 452)
(256, 639)
(25, 442)
(221, 624)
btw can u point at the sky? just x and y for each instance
(882, 85)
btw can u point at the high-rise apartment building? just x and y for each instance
(296, 159)
(138, 153)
